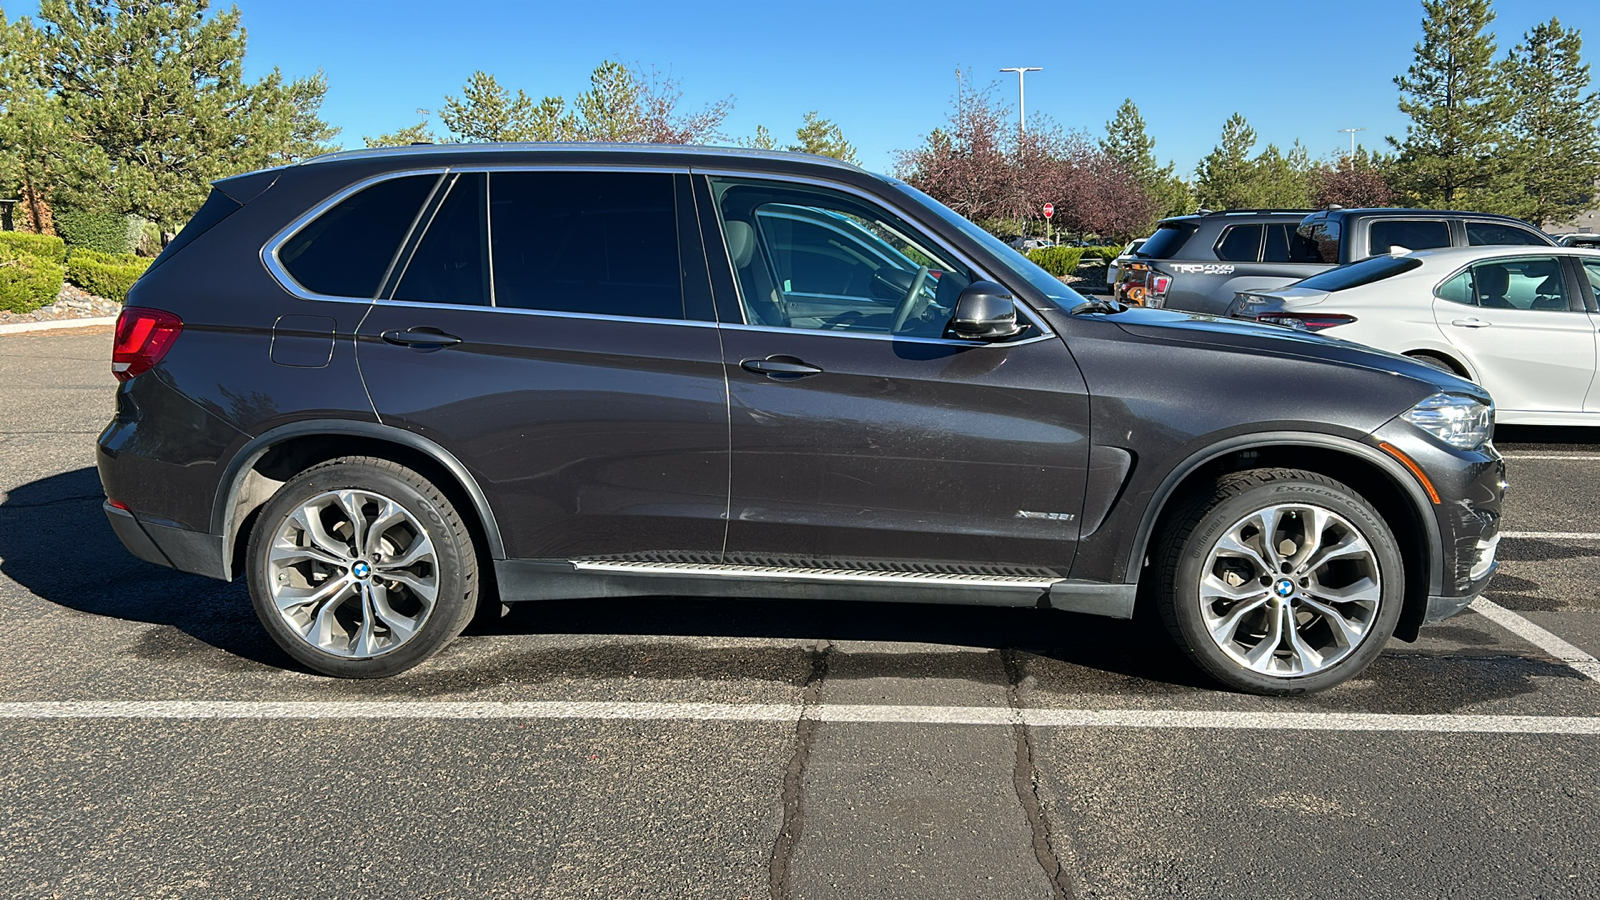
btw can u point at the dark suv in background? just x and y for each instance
(1200, 262)
(388, 386)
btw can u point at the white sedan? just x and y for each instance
(1520, 321)
(1114, 267)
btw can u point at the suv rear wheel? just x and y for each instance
(1280, 581)
(361, 568)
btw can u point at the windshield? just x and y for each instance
(1058, 293)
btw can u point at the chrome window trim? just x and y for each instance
(275, 267)
(269, 251)
(982, 272)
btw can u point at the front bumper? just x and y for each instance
(1470, 486)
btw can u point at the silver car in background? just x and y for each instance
(1520, 321)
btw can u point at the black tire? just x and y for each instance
(1438, 362)
(1185, 550)
(451, 568)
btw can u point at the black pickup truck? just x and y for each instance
(1200, 262)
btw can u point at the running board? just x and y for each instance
(530, 579)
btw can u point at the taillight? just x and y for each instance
(143, 337)
(1304, 322)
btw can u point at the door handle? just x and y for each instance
(779, 368)
(421, 338)
(1473, 322)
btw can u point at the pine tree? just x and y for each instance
(31, 124)
(1128, 143)
(1226, 177)
(1457, 109)
(485, 112)
(413, 134)
(156, 105)
(824, 138)
(1282, 180)
(1553, 139)
(762, 140)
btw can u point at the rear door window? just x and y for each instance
(1412, 234)
(451, 265)
(1481, 234)
(604, 243)
(1240, 243)
(1285, 245)
(346, 251)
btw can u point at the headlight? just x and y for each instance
(1458, 420)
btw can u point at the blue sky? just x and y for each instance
(886, 71)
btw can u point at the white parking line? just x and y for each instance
(1552, 535)
(788, 713)
(1566, 456)
(1538, 637)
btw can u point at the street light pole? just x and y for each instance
(1352, 132)
(1021, 70)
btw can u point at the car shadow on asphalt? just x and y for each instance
(55, 542)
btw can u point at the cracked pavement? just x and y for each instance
(802, 808)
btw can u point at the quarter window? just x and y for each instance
(346, 251)
(1240, 243)
(604, 243)
(1488, 233)
(1411, 234)
(815, 259)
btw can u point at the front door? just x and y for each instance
(1528, 337)
(862, 437)
(569, 361)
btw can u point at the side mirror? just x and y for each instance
(985, 311)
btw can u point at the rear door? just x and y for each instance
(1525, 332)
(861, 435)
(543, 327)
(1589, 268)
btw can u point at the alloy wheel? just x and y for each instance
(352, 573)
(1290, 590)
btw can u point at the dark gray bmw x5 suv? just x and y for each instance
(388, 386)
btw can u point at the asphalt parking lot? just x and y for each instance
(154, 743)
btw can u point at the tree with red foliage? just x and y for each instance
(1353, 182)
(985, 169)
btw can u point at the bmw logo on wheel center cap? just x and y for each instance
(361, 570)
(1283, 588)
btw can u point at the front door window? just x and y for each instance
(821, 260)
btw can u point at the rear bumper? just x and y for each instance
(169, 545)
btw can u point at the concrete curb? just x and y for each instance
(54, 324)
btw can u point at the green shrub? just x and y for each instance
(20, 243)
(108, 279)
(1057, 261)
(28, 282)
(105, 232)
(1103, 252)
(110, 259)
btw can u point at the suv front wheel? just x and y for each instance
(361, 568)
(1280, 581)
